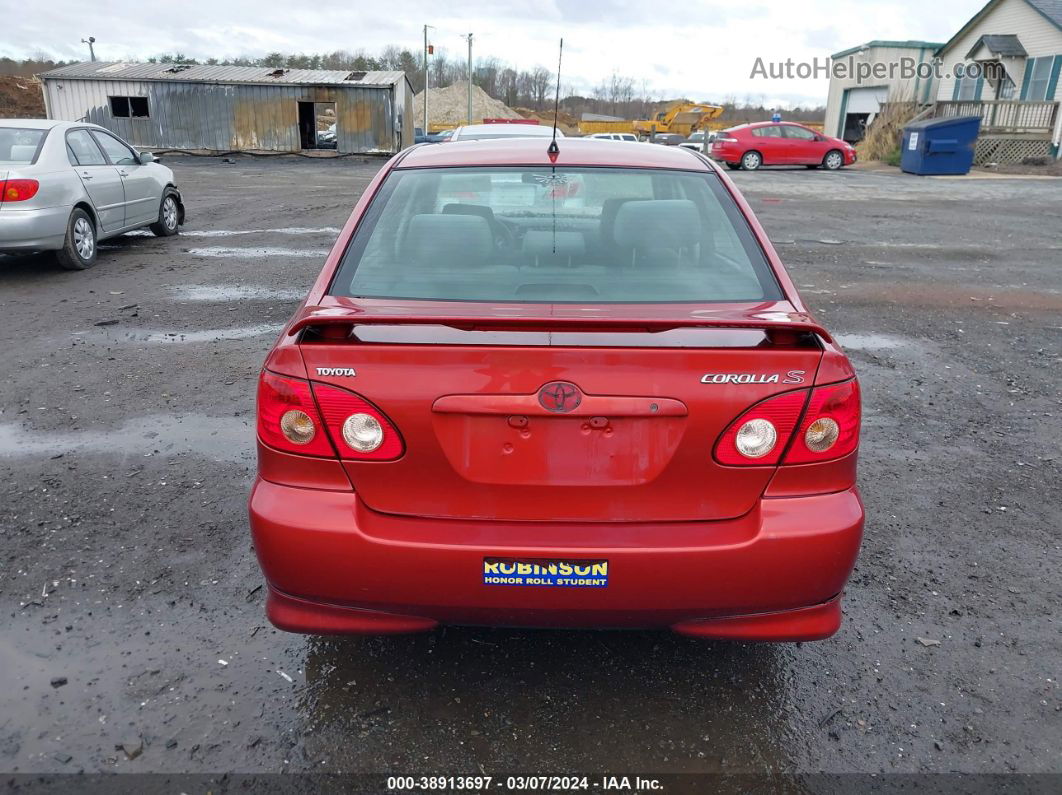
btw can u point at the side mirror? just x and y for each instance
(147, 157)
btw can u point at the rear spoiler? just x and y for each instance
(775, 324)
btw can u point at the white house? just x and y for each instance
(1022, 36)
(1010, 54)
(866, 76)
(1003, 65)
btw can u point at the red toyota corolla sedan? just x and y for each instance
(749, 146)
(576, 390)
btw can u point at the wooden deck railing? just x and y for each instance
(1002, 116)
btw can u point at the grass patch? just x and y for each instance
(882, 141)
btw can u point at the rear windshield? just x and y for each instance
(19, 147)
(513, 235)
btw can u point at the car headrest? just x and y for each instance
(455, 208)
(22, 152)
(449, 241)
(609, 208)
(657, 223)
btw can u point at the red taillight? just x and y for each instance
(18, 190)
(288, 418)
(361, 431)
(829, 428)
(836, 409)
(781, 411)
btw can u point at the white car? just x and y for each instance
(481, 132)
(614, 136)
(699, 141)
(65, 186)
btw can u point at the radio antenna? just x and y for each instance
(553, 149)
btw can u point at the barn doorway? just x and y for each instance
(859, 107)
(317, 125)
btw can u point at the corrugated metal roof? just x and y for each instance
(912, 44)
(186, 73)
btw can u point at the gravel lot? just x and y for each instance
(132, 635)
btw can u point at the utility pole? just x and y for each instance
(469, 78)
(90, 41)
(426, 78)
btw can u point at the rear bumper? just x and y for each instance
(334, 566)
(33, 230)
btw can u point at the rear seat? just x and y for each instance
(448, 241)
(657, 230)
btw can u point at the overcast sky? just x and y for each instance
(702, 49)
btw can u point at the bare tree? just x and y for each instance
(540, 80)
(507, 86)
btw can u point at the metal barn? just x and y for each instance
(236, 108)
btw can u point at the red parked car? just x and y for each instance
(576, 390)
(749, 146)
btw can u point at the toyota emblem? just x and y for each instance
(559, 397)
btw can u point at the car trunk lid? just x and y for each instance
(528, 419)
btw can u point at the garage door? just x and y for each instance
(866, 100)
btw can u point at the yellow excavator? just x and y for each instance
(681, 118)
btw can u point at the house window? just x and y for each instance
(967, 87)
(129, 107)
(1006, 88)
(1039, 77)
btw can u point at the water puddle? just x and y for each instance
(874, 342)
(227, 439)
(287, 230)
(264, 251)
(234, 292)
(204, 335)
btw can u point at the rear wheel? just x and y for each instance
(79, 249)
(750, 161)
(833, 160)
(169, 217)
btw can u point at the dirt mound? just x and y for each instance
(566, 122)
(450, 106)
(21, 98)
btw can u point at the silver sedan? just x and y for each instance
(65, 186)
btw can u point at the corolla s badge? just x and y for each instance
(791, 377)
(559, 397)
(348, 371)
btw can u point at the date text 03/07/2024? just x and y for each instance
(524, 782)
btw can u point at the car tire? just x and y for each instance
(833, 160)
(750, 161)
(169, 216)
(79, 248)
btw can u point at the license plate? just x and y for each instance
(546, 573)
